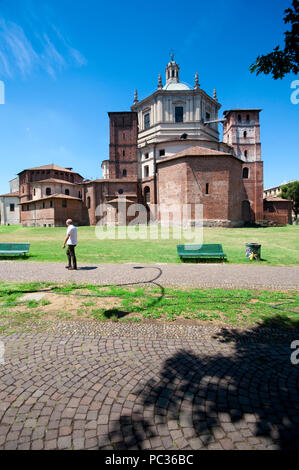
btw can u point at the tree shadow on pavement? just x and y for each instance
(239, 392)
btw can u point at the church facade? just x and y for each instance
(165, 151)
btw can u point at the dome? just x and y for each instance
(176, 86)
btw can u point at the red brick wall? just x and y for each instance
(148, 183)
(253, 189)
(184, 181)
(74, 211)
(38, 217)
(278, 211)
(56, 215)
(123, 145)
(101, 192)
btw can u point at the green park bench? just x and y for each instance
(207, 251)
(8, 249)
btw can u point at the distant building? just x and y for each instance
(9, 205)
(49, 195)
(278, 210)
(274, 190)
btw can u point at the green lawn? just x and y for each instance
(63, 302)
(280, 245)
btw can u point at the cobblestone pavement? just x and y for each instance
(202, 275)
(76, 392)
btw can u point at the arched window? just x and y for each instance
(245, 172)
(245, 153)
(207, 188)
(247, 117)
(245, 134)
(239, 117)
(88, 202)
(124, 173)
(124, 153)
(173, 74)
(147, 195)
(120, 191)
(48, 191)
(67, 192)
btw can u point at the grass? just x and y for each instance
(280, 245)
(238, 307)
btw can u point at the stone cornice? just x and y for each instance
(169, 93)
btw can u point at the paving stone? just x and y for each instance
(64, 442)
(61, 391)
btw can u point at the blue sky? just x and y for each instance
(66, 63)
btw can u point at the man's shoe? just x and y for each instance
(72, 269)
(68, 267)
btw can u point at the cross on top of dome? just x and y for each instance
(173, 76)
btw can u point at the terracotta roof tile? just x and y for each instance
(273, 198)
(50, 167)
(53, 180)
(15, 194)
(196, 151)
(53, 196)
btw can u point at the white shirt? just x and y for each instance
(72, 232)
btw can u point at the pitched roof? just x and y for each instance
(196, 151)
(53, 196)
(15, 194)
(111, 180)
(52, 166)
(241, 109)
(53, 180)
(121, 199)
(275, 199)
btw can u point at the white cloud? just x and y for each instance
(20, 55)
(16, 51)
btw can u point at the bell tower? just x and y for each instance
(241, 130)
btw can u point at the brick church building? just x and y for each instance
(165, 151)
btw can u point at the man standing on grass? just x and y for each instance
(71, 242)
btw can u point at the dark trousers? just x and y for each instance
(71, 256)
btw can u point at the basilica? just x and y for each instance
(169, 146)
(165, 151)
